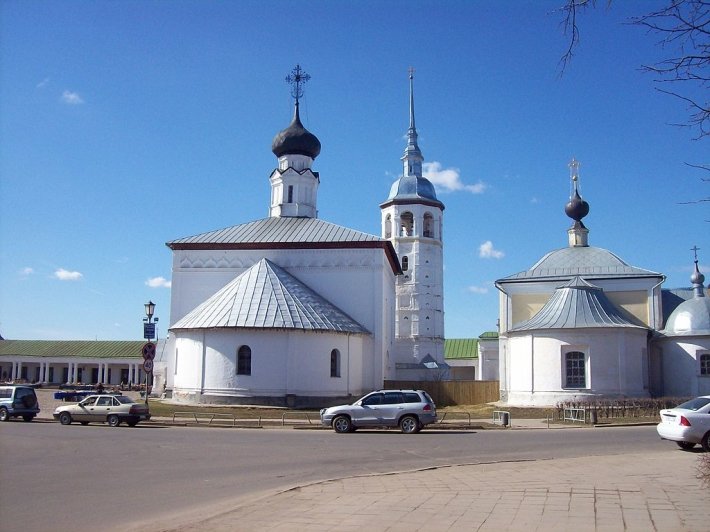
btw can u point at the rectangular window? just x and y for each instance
(290, 194)
(575, 370)
(705, 364)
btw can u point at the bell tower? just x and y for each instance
(412, 219)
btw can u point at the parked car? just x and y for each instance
(687, 424)
(112, 409)
(410, 410)
(18, 401)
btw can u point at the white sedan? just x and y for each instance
(111, 409)
(687, 424)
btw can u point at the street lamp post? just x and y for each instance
(149, 334)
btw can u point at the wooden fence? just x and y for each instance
(451, 393)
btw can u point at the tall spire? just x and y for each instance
(412, 154)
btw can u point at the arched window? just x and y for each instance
(406, 224)
(575, 370)
(388, 226)
(428, 231)
(335, 363)
(244, 360)
(405, 263)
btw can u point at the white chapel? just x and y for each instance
(292, 310)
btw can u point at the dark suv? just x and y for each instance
(18, 401)
(410, 410)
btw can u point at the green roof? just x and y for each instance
(489, 335)
(72, 348)
(461, 348)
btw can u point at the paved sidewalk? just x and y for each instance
(643, 492)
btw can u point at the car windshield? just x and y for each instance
(124, 400)
(694, 404)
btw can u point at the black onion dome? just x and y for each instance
(296, 140)
(577, 208)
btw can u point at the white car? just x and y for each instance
(687, 424)
(410, 410)
(111, 409)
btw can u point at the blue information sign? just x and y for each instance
(149, 331)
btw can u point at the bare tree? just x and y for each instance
(683, 28)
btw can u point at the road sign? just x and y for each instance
(149, 331)
(148, 351)
(148, 365)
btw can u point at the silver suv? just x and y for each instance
(18, 401)
(410, 410)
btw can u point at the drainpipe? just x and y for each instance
(653, 301)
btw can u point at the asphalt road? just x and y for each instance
(98, 477)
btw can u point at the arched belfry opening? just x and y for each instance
(406, 224)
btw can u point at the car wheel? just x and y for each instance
(28, 417)
(342, 424)
(132, 423)
(4, 415)
(114, 420)
(705, 442)
(65, 418)
(409, 425)
(685, 445)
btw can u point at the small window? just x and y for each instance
(388, 226)
(575, 370)
(392, 398)
(290, 194)
(374, 399)
(244, 360)
(335, 363)
(411, 397)
(705, 364)
(405, 263)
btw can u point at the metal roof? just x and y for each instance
(589, 262)
(275, 230)
(578, 304)
(72, 348)
(460, 348)
(267, 297)
(413, 189)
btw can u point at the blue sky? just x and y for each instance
(124, 125)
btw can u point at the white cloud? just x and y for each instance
(449, 179)
(487, 251)
(42, 84)
(71, 98)
(66, 275)
(477, 289)
(26, 271)
(158, 282)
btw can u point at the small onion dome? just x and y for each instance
(296, 140)
(577, 208)
(697, 277)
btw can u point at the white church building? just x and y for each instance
(296, 311)
(582, 324)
